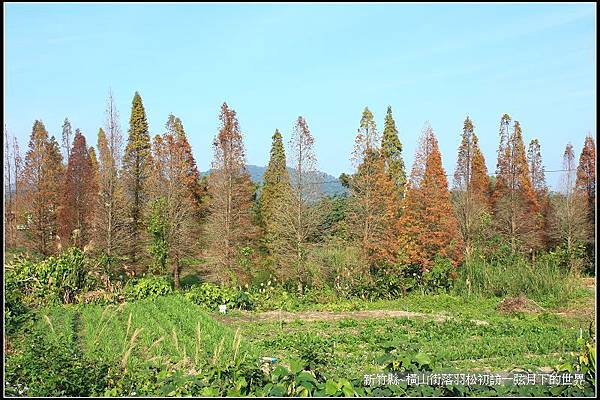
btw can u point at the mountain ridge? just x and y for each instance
(330, 186)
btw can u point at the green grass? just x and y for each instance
(547, 282)
(166, 332)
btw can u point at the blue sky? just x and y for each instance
(273, 62)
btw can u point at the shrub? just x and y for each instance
(441, 276)
(16, 312)
(210, 296)
(55, 279)
(150, 286)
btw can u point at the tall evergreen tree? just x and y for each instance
(391, 149)
(276, 186)
(136, 169)
(427, 226)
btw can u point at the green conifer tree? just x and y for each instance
(391, 149)
(276, 186)
(136, 168)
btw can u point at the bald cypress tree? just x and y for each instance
(298, 215)
(540, 190)
(173, 228)
(428, 226)
(391, 150)
(586, 175)
(231, 195)
(471, 184)
(568, 217)
(586, 186)
(41, 188)
(515, 204)
(67, 134)
(373, 205)
(136, 170)
(275, 188)
(79, 195)
(192, 179)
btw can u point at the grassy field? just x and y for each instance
(167, 331)
(343, 339)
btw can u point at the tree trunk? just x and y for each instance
(176, 269)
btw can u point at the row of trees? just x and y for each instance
(150, 199)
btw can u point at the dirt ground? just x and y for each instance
(331, 316)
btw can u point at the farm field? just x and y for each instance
(351, 346)
(170, 333)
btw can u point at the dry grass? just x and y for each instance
(511, 305)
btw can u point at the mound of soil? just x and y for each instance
(518, 304)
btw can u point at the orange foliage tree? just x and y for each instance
(586, 175)
(471, 187)
(428, 226)
(42, 185)
(375, 198)
(172, 186)
(515, 204)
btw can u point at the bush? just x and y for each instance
(441, 276)
(148, 287)
(55, 279)
(16, 312)
(210, 296)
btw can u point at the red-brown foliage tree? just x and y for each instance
(231, 194)
(428, 226)
(42, 186)
(471, 187)
(79, 196)
(374, 205)
(586, 175)
(515, 205)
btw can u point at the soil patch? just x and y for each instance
(512, 305)
(332, 316)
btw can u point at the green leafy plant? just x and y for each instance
(148, 287)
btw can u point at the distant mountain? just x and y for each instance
(331, 185)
